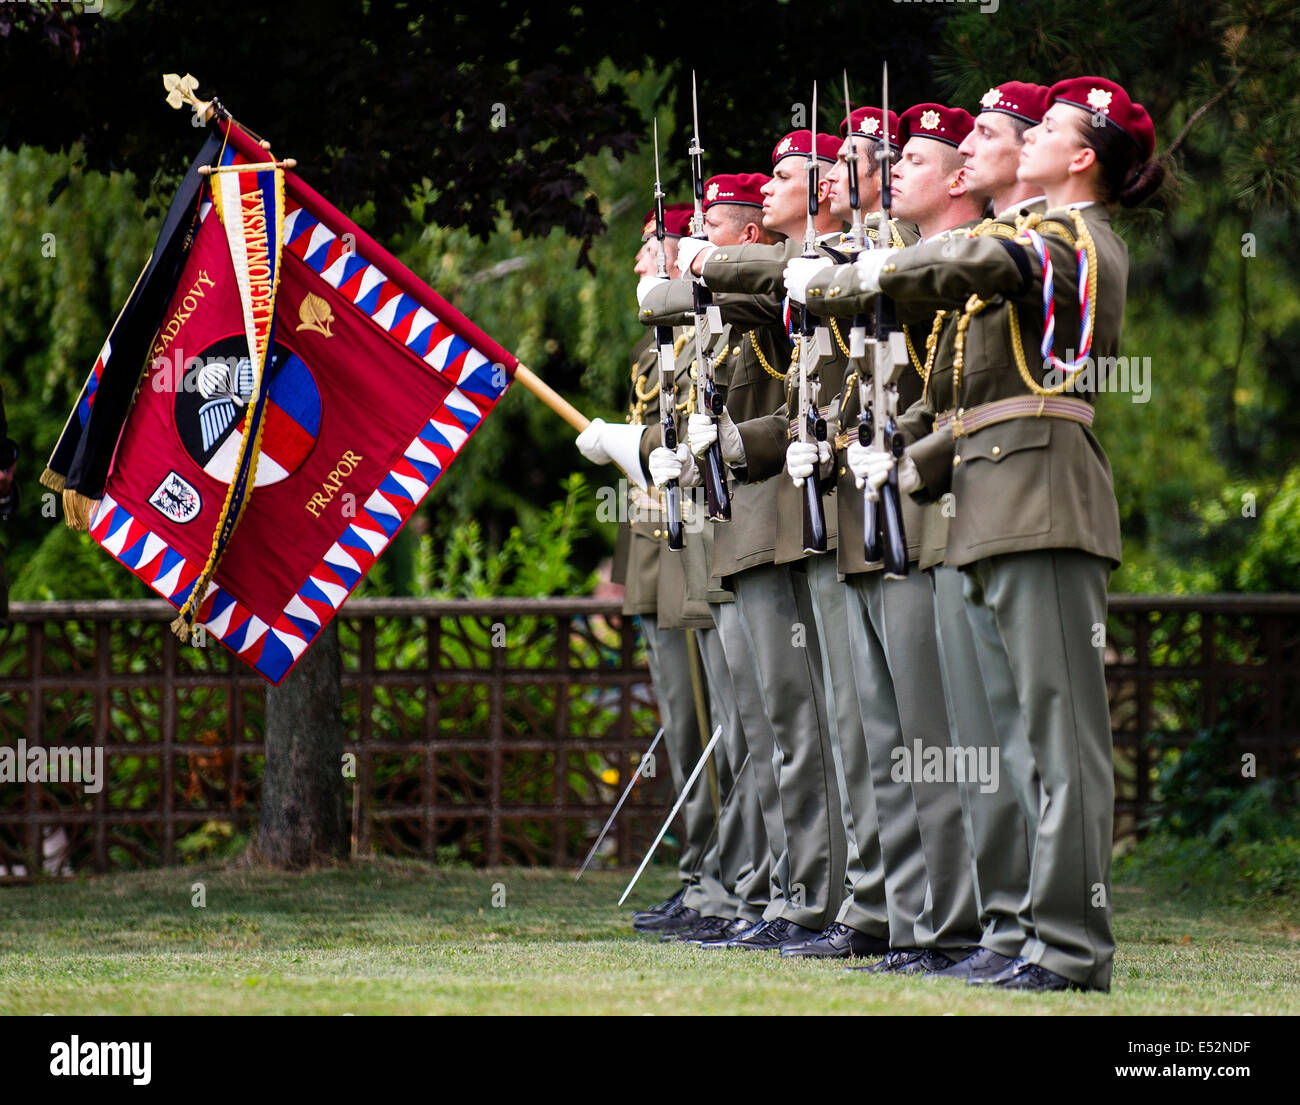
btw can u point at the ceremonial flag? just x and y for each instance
(302, 393)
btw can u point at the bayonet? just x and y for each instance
(667, 375)
(708, 398)
(812, 427)
(884, 536)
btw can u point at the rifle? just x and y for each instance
(667, 375)
(812, 426)
(708, 399)
(883, 534)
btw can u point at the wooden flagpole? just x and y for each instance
(552, 398)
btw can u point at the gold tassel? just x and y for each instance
(181, 627)
(77, 510)
(52, 480)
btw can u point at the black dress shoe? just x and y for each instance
(979, 966)
(706, 928)
(777, 933)
(668, 905)
(737, 927)
(679, 919)
(908, 961)
(838, 941)
(730, 941)
(1023, 975)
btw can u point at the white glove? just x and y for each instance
(602, 443)
(801, 456)
(869, 264)
(589, 442)
(687, 250)
(799, 272)
(646, 285)
(909, 476)
(667, 465)
(869, 466)
(702, 431)
(872, 466)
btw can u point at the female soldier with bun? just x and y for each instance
(1035, 527)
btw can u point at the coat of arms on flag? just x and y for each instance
(278, 396)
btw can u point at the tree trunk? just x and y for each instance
(302, 816)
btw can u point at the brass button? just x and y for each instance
(658, 533)
(891, 268)
(997, 450)
(736, 352)
(961, 411)
(956, 462)
(646, 311)
(835, 290)
(843, 471)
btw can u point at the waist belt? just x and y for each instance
(652, 500)
(652, 505)
(966, 422)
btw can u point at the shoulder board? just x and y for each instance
(1058, 229)
(994, 227)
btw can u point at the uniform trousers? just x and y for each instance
(670, 668)
(1039, 619)
(929, 887)
(776, 611)
(997, 834)
(863, 907)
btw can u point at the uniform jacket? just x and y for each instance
(1031, 483)
(749, 539)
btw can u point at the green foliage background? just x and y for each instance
(1206, 472)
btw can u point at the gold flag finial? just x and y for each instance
(180, 91)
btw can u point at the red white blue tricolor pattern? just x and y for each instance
(378, 383)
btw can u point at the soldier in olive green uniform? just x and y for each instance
(730, 213)
(666, 648)
(996, 830)
(934, 916)
(776, 611)
(742, 838)
(1036, 528)
(859, 925)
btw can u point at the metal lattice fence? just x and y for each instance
(499, 731)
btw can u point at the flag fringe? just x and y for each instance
(77, 509)
(52, 480)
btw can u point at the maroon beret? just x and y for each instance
(735, 188)
(677, 219)
(1019, 100)
(944, 124)
(673, 222)
(1098, 96)
(866, 124)
(798, 144)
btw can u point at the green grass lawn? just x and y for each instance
(402, 937)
